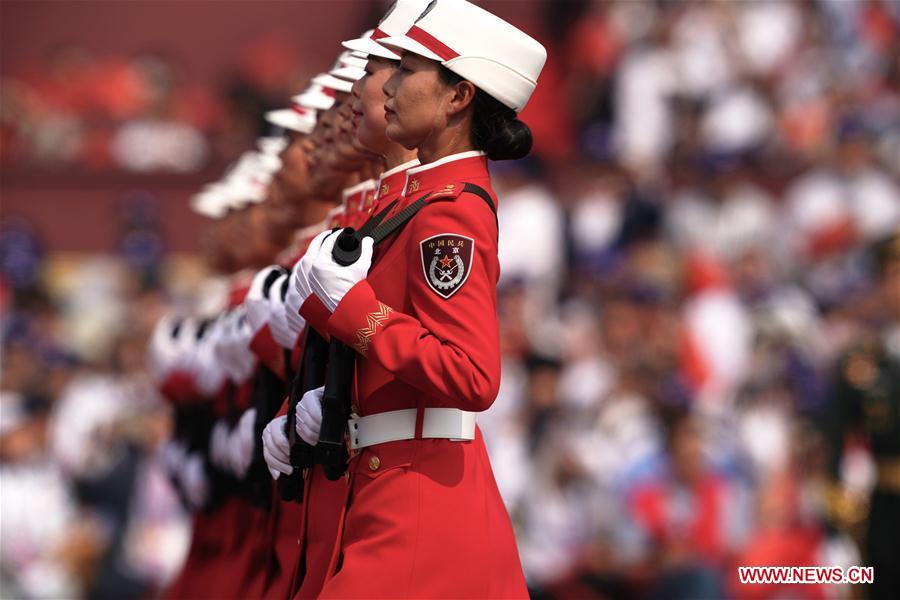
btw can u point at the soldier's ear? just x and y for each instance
(463, 95)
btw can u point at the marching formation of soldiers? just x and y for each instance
(326, 388)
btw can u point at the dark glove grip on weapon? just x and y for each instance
(348, 247)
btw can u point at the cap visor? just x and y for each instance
(332, 82)
(209, 204)
(288, 119)
(370, 47)
(351, 74)
(272, 145)
(402, 42)
(313, 100)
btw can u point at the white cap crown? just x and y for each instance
(477, 45)
(315, 97)
(396, 21)
(296, 118)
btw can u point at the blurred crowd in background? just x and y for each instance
(698, 244)
(140, 113)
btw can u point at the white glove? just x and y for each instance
(222, 344)
(308, 416)
(329, 280)
(292, 303)
(281, 332)
(193, 481)
(299, 288)
(218, 445)
(186, 344)
(208, 372)
(241, 444)
(257, 300)
(277, 448)
(300, 274)
(193, 349)
(242, 358)
(162, 351)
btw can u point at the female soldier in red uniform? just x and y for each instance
(423, 516)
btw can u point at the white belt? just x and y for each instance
(448, 423)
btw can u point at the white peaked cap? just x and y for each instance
(211, 202)
(315, 97)
(271, 145)
(347, 59)
(395, 22)
(351, 74)
(479, 47)
(357, 46)
(296, 118)
(327, 80)
(246, 181)
(348, 67)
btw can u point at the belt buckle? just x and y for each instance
(352, 428)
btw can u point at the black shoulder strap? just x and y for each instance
(381, 231)
(375, 220)
(481, 193)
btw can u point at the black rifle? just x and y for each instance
(310, 376)
(268, 393)
(331, 451)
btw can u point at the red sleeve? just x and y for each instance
(316, 315)
(447, 347)
(268, 351)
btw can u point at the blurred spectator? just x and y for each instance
(38, 517)
(687, 519)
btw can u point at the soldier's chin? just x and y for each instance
(394, 132)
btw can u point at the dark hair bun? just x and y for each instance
(497, 131)
(510, 139)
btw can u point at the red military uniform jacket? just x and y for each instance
(423, 517)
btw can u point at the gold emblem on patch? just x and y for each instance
(384, 190)
(413, 186)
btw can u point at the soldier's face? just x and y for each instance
(416, 102)
(260, 247)
(280, 216)
(235, 236)
(350, 155)
(214, 246)
(368, 116)
(324, 131)
(292, 178)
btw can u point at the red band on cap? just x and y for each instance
(378, 34)
(431, 42)
(300, 110)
